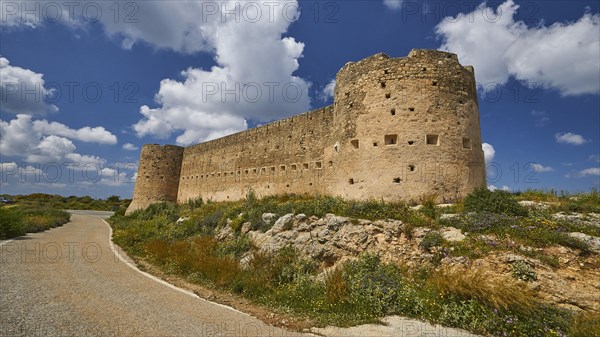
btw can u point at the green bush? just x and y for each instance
(432, 239)
(11, 223)
(499, 202)
(18, 220)
(521, 270)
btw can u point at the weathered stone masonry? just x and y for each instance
(399, 129)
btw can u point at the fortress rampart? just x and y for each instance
(399, 129)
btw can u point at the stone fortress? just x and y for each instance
(399, 129)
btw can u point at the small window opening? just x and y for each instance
(411, 168)
(385, 71)
(330, 164)
(305, 166)
(382, 84)
(434, 83)
(433, 140)
(294, 167)
(375, 144)
(318, 165)
(411, 109)
(351, 181)
(424, 69)
(397, 180)
(354, 143)
(388, 95)
(246, 171)
(411, 142)
(391, 139)
(254, 171)
(466, 143)
(263, 170)
(393, 112)
(273, 169)
(282, 168)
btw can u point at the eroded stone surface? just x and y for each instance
(400, 129)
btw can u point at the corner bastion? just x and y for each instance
(399, 129)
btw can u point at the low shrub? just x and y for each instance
(430, 240)
(483, 200)
(18, 220)
(521, 270)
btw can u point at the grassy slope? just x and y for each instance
(18, 220)
(367, 289)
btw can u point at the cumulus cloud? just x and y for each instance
(22, 91)
(86, 134)
(563, 56)
(570, 138)
(130, 147)
(503, 188)
(488, 152)
(541, 168)
(595, 158)
(328, 91)
(40, 141)
(253, 80)
(589, 172)
(393, 4)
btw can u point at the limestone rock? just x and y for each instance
(268, 218)
(592, 241)
(452, 234)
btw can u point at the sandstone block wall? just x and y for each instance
(400, 129)
(158, 175)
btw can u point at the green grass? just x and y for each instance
(113, 203)
(365, 290)
(19, 220)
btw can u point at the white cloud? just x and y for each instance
(570, 138)
(488, 152)
(250, 52)
(595, 158)
(253, 80)
(563, 56)
(541, 168)
(130, 147)
(328, 91)
(503, 188)
(22, 91)
(589, 172)
(35, 141)
(393, 4)
(86, 134)
(541, 118)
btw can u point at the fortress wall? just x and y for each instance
(158, 176)
(385, 111)
(400, 129)
(286, 156)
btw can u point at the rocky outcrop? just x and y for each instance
(332, 239)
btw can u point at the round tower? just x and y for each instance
(157, 177)
(408, 128)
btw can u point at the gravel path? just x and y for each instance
(68, 282)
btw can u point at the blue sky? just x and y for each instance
(84, 85)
